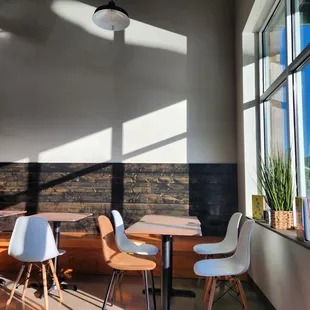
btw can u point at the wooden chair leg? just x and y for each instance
(242, 294)
(199, 278)
(51, 264)
(14, 286)
(236, 288)
(207, 290)
(45, 286)
(28, 273)
(212, 293)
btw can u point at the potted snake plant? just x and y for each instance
(275, 178)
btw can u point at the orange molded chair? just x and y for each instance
(122, 261)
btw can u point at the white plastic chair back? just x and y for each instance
(32, 240)
(242, 254)
(122, 242)
(231, 237)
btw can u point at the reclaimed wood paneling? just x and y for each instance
(208, 191)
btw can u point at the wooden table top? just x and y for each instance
(5, 213)
(166, 225)
(63, 216)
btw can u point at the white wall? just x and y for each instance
(162, 91)
(278, 266)
(281, 269)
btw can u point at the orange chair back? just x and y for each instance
(109, 246)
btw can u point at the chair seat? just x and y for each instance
(142, 249)
(219, 267)
(125, 261)
(61, 252)
(213, 248)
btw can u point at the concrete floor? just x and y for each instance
(91, 291)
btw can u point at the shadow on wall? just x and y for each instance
(213, 196)
(72, 83)
(62, 79)
(74, 79)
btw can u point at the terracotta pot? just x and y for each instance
(281, 219)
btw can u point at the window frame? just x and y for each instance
(289, 76)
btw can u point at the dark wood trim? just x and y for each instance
(266, 302)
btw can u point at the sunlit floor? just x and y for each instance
(91, 290)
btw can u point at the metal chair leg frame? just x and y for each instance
(230, 288)
(153, 290)
(146, 286)
(109, 289)
(121, 279)
(114, 289)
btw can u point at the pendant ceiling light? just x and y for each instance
(111, 17)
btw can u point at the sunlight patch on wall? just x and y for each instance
(80, 14)
(5, 34)
(142, 34)
(248, 83)
(23, 160)
(175, 152)
(94, 148)
(154, 127)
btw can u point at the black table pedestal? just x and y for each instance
(166, 291)
(63, 286)
(166, 275)
(174, 293)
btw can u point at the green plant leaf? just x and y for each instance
(275, 177)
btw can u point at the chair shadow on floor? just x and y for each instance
(19, 304)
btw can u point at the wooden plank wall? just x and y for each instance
(208, 191)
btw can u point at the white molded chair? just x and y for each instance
(32, 241)
(126, 245)
(228, 244)
(231, 266)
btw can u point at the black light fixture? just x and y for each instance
(111, 17)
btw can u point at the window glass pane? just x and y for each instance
(303, 95)
(277, 122)
(274, 46)
(302, 24)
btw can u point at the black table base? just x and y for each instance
(63, 286)
(166, 275)
(61, 278)
(174, 293)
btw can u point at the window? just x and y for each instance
(274, 46)
(277, 122)
(303, 102)
(302, 24)
(285, 94)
